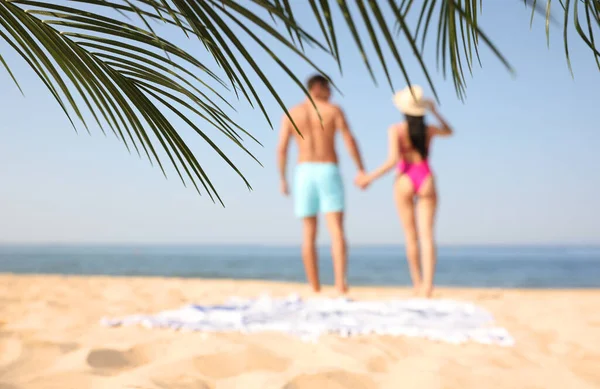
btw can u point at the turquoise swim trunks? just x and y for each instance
(318, 188)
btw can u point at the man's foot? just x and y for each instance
(416, 290)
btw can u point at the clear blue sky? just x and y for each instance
(522, 167)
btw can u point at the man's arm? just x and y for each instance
(285, 135)
(349, 140)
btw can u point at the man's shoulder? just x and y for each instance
(335, 107)
(325, 108)
(293, 111)
(332, 109)
(296, 108)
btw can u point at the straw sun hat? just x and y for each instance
(412, 104)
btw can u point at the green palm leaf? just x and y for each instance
(108, 62)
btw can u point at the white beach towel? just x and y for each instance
(441, 320)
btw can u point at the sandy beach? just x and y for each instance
(50, 337)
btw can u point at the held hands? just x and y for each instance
(362, 180)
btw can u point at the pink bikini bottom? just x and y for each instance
(416, 172)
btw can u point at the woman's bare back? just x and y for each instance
(407, 151)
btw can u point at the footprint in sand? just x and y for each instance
(109, 361)
(336, 379)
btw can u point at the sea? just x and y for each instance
(458, 266)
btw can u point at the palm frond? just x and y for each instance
(457, 38)
(108, 62)
(591, 8)
(125, 75)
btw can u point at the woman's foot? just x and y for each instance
(426, 292)
(343, 289)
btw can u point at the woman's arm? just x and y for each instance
(392, 159)
(445, 129)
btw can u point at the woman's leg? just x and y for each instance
(404, 198)
(426, 208)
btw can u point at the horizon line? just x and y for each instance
(294, 245)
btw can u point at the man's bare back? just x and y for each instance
(317, 142)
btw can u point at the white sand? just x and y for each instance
(50, 337)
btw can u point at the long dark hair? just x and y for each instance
(417, 130)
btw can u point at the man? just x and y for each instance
(318, 186)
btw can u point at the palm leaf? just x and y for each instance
(109, 61)
(125, 74)
(568, 7)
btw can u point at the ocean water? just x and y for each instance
(478, 266)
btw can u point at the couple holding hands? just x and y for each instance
(318, 187)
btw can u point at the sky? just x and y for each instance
(522, 167)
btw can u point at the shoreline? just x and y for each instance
(51, 336)
(299, 285)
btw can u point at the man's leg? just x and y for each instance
(335, 224)
(331, 191)
(306, 205)
(309, 252)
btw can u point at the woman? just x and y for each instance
(408, 147)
